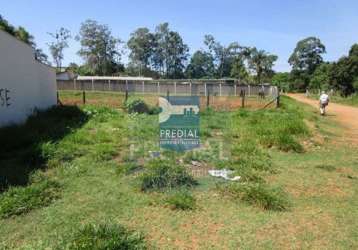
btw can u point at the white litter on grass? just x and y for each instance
(224, 173)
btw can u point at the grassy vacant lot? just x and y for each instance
(81, 177)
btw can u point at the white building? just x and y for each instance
(25, 84)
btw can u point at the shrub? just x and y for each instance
(105, 237)
(19, 200)
(164, 174)
(181, 199)
(137, 106)
(154, 110)
(258, 194)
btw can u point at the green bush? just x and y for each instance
(137, 106)
(164, 174)
(258, 194)
(181, 199)
(140, 107)
(105, 237)
(19, 200)
(154, 110)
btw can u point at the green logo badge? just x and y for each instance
(179, 122)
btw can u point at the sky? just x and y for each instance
(273, 25)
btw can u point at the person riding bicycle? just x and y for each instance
(323, 102)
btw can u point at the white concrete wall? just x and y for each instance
(25, 84)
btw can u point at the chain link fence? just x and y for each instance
(174, 88)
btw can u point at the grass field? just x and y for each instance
(72, 167)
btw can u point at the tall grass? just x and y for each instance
(20, 200)
(104, 237)
(258, 194)
(282, 128)
(181, 199)
(161, 174)
(26, 147)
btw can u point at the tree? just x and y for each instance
(99, 48)
(5, 26)
(321, 77)
(344, 73)
(260, 62)
(57, 47)
(170, 52)
(282, 80)
(22, 34)
(354, 50)
(238, 70)
(223, 56)
(141, 45)
(201, 65)
(307, 55)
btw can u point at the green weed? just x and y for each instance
(181, 199)
(164, 174)
(20, 200)
(258, 194)
(105, 237)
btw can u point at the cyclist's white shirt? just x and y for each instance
(324, 98)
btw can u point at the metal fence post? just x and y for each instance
(58, 97)
(143, 87)
(190, 88)
(242, 94)
(208, 99)
(92, 84)
(158, 88)
(219, 89)
(278, 100)
(84, 97)
(175, 88)
(235, 89)
(109, 85)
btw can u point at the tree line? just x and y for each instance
(310, 71)
(162, 53)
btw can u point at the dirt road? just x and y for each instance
(347, 116)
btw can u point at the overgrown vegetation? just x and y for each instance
(84, 161)
(26, 148)
(258, 194)
(104, 236)
(20, 200)
(181, 199)
(140, 107)
(165, 174)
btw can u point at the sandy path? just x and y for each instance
(347, 116)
